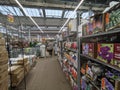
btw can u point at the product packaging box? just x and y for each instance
(4, 84)
(92, 50)
(85, 48)
(90, 28)
(3, 75)
(117, 54)
(112, 18)
(98, 23)
(105, 52)
(110, 84)
(85, 29)
(3, 68)
(3, 56)
(2, 41)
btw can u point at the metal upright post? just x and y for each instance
(78, 52)
(22, 52)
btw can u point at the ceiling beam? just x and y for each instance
(26, 22)
(63, 13)
(44, 14)
(50, 5)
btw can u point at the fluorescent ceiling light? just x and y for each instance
(28, 15)
(71, 15)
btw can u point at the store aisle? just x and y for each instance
(47, 75)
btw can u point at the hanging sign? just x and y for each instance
(10, 18)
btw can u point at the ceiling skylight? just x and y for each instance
(68, 13)
(5, 10)
(53, 13)
(34, 12)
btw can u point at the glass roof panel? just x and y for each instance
(5, 10)
(53, 13)
(34, 12)
(68, 13)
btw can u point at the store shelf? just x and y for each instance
(72, 62)
(103, 63)
(71, 35)
(114, 31)
(72, 77)
(93, 84)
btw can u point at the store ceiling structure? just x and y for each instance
(49, 14)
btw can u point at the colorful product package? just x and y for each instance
(110, 84)
(98, 23)
(90, 28)
(85, 29)
(92, 50)
(85, 48)
(105, 53)
(117, 54)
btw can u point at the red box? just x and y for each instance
(117, 54)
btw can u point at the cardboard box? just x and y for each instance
(106, 83)
(3, 75)
(21, 61)
(27, 67)
(3, 68)
(92, 50)
(85, 48)
(105, 52)
(85, 29)
(117, 54)
(15, 69)
(112, 18)
(4, 84)
(16, 79)
(2, 41)
(3, 57)
(98, 23)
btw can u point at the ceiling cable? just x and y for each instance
(71, 15)
(28, 15)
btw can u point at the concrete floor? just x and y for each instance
(46, 75)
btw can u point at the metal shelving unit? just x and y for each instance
(114, 31)
(73, 50)
(100, 62)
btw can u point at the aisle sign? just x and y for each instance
(10, 18)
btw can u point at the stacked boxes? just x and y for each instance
(106, 52)
(18, 70)
(112, 18)
(17, 74)
(3, 65)
(89, 49)
(95, 25)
